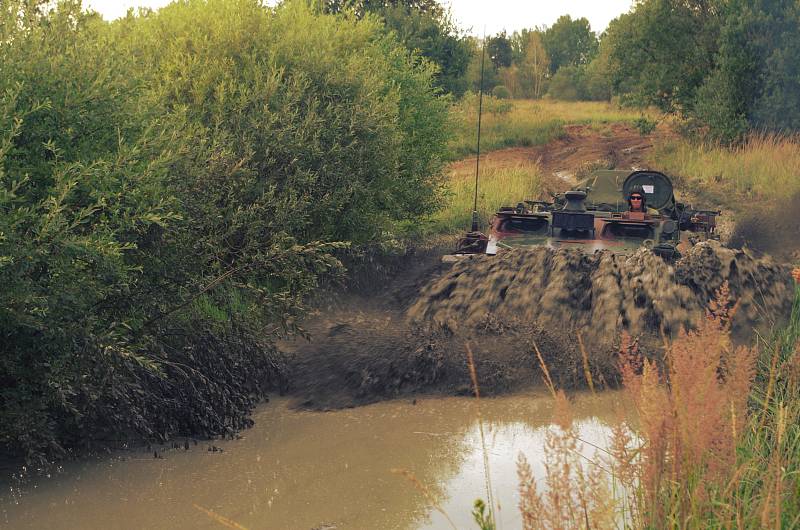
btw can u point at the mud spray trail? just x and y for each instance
(410, 337)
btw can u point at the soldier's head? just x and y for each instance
(637, 202)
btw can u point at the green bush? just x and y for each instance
(501, 92)
(172, 186)
(566, 84)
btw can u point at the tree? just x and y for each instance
(498, 49)
(567, 84)
(362, 7)
(569, 42)
(534, 66)
(423, 26)
(726, 66)
(166, 210)
(435, 37)
(662, 52)
(490, 75)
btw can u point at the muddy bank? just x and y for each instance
(507, 306)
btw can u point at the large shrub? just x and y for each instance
(171, 186)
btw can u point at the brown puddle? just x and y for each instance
(303, 470)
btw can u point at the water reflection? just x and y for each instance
(304, 470)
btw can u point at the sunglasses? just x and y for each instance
(636, 198)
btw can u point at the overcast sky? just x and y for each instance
(495, 15)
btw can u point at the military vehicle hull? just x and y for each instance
(595, 216)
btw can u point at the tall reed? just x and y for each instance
(716, 442)
(499, 186)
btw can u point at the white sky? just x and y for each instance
(473, 15)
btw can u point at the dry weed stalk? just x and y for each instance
(690, 417)
(411, 477)
(547, 379)
(586, 369)
(576, 496)
(224, 521)
(473, 373)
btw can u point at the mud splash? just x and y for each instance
(600, 295)
(509, 306)
(547, 299)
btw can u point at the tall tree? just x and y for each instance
(498, 49)
(533, 66)
(423, 26)
(662, 51)
(569, 42)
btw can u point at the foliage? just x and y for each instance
(756, 82)
(645, 126)
(533, 67)
(498, 49)
(531, 64)
(490, 74)
(566, 84)
(425, 27)
(172, 185)
(727, 68)
(596, 78)
(501, 92)
(482, 519)
(662, 51)
(569, 42)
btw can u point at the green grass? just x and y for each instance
(767, 491)
(526, 122)
(766, 165)
(499, 186)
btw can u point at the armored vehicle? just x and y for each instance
(597, 215)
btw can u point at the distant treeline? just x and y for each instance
(726, 67)
(172, 185)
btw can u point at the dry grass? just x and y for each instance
(765, 165)
(691, 418)
(701, 455)
(576, 495)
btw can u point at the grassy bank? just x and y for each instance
(502, 186)
(765, 165)
(511, 123)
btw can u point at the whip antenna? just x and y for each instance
(478, 158)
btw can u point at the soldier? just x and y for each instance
(637, 201)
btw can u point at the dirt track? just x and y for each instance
(581, 149)
(407, 333)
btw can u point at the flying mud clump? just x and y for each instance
(565, 292)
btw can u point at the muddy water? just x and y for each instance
(304, 470)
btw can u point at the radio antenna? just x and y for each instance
(478, 158)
